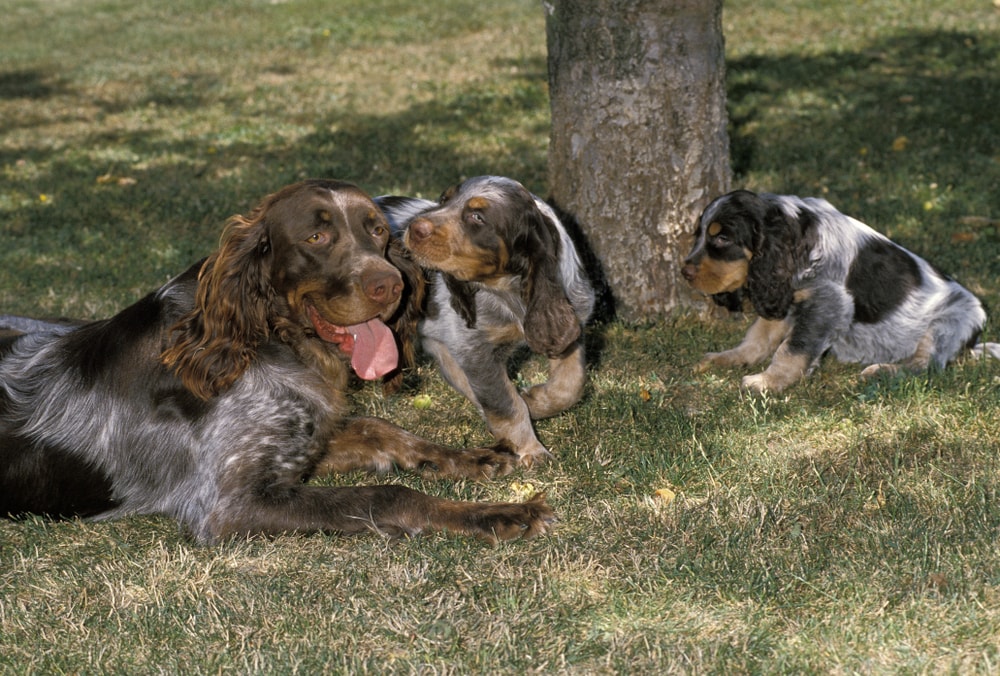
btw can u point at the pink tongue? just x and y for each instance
(370, 344)
(375, 352)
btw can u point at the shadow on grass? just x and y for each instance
(26, 84)
(805, 118)
(913, 106)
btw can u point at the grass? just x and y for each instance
(842, 527)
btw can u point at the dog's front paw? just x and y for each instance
(757, 384)
(510, 520)
(708, 361)
(473, 463)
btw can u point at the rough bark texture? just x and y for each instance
(639, 143)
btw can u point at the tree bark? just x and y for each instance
(638, 144)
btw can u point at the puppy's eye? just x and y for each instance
(477, 218)
(379, 231)
(317, 238)
(721, 240)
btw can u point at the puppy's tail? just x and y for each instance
(983, 350)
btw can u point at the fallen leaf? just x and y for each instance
(978, 221)
(522, 491)
(664, 495)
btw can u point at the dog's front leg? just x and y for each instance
(760, 342)
(393, 511)
(567, 377)
(377, 445)
(819, 315)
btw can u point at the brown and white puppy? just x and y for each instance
(504, 274)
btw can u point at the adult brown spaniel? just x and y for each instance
(215, 398)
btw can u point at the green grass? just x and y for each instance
(840, 527)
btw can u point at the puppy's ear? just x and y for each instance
(215, 343)
(463, 299)
(730, 300)
(777, 253)
(411, 307)
(551, 326)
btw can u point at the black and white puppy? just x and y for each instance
(820, 280)
(504, 273)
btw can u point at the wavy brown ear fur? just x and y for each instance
(550, 324)
(411, 307)
(215, 343)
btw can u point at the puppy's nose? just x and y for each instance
(420, 230)
(689, 272)
(382, 286)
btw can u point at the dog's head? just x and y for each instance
(491, 231)
(747, 242)
(309, 264)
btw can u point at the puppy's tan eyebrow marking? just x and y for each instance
(714, 229)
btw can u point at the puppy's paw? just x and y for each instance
(534, 457)
(707, 362)
(876, 370)
(757, 384)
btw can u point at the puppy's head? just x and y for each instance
(751, 242)
(489, 231)
(719, 261)
(470, 234)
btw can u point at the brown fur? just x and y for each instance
(215, 399)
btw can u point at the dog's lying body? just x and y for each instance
(215, 398)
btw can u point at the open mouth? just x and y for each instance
(370, 345)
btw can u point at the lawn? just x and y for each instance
(841, 527)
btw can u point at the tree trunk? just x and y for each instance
(639, 144)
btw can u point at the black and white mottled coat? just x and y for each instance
(823, 281)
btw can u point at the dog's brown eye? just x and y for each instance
(378, 231)
(477, 218)
(317, 238)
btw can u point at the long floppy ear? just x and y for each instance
(215, 343)
(730, 300)
(777, 256)
(550, 324)
(411, 308)
(462, 299)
